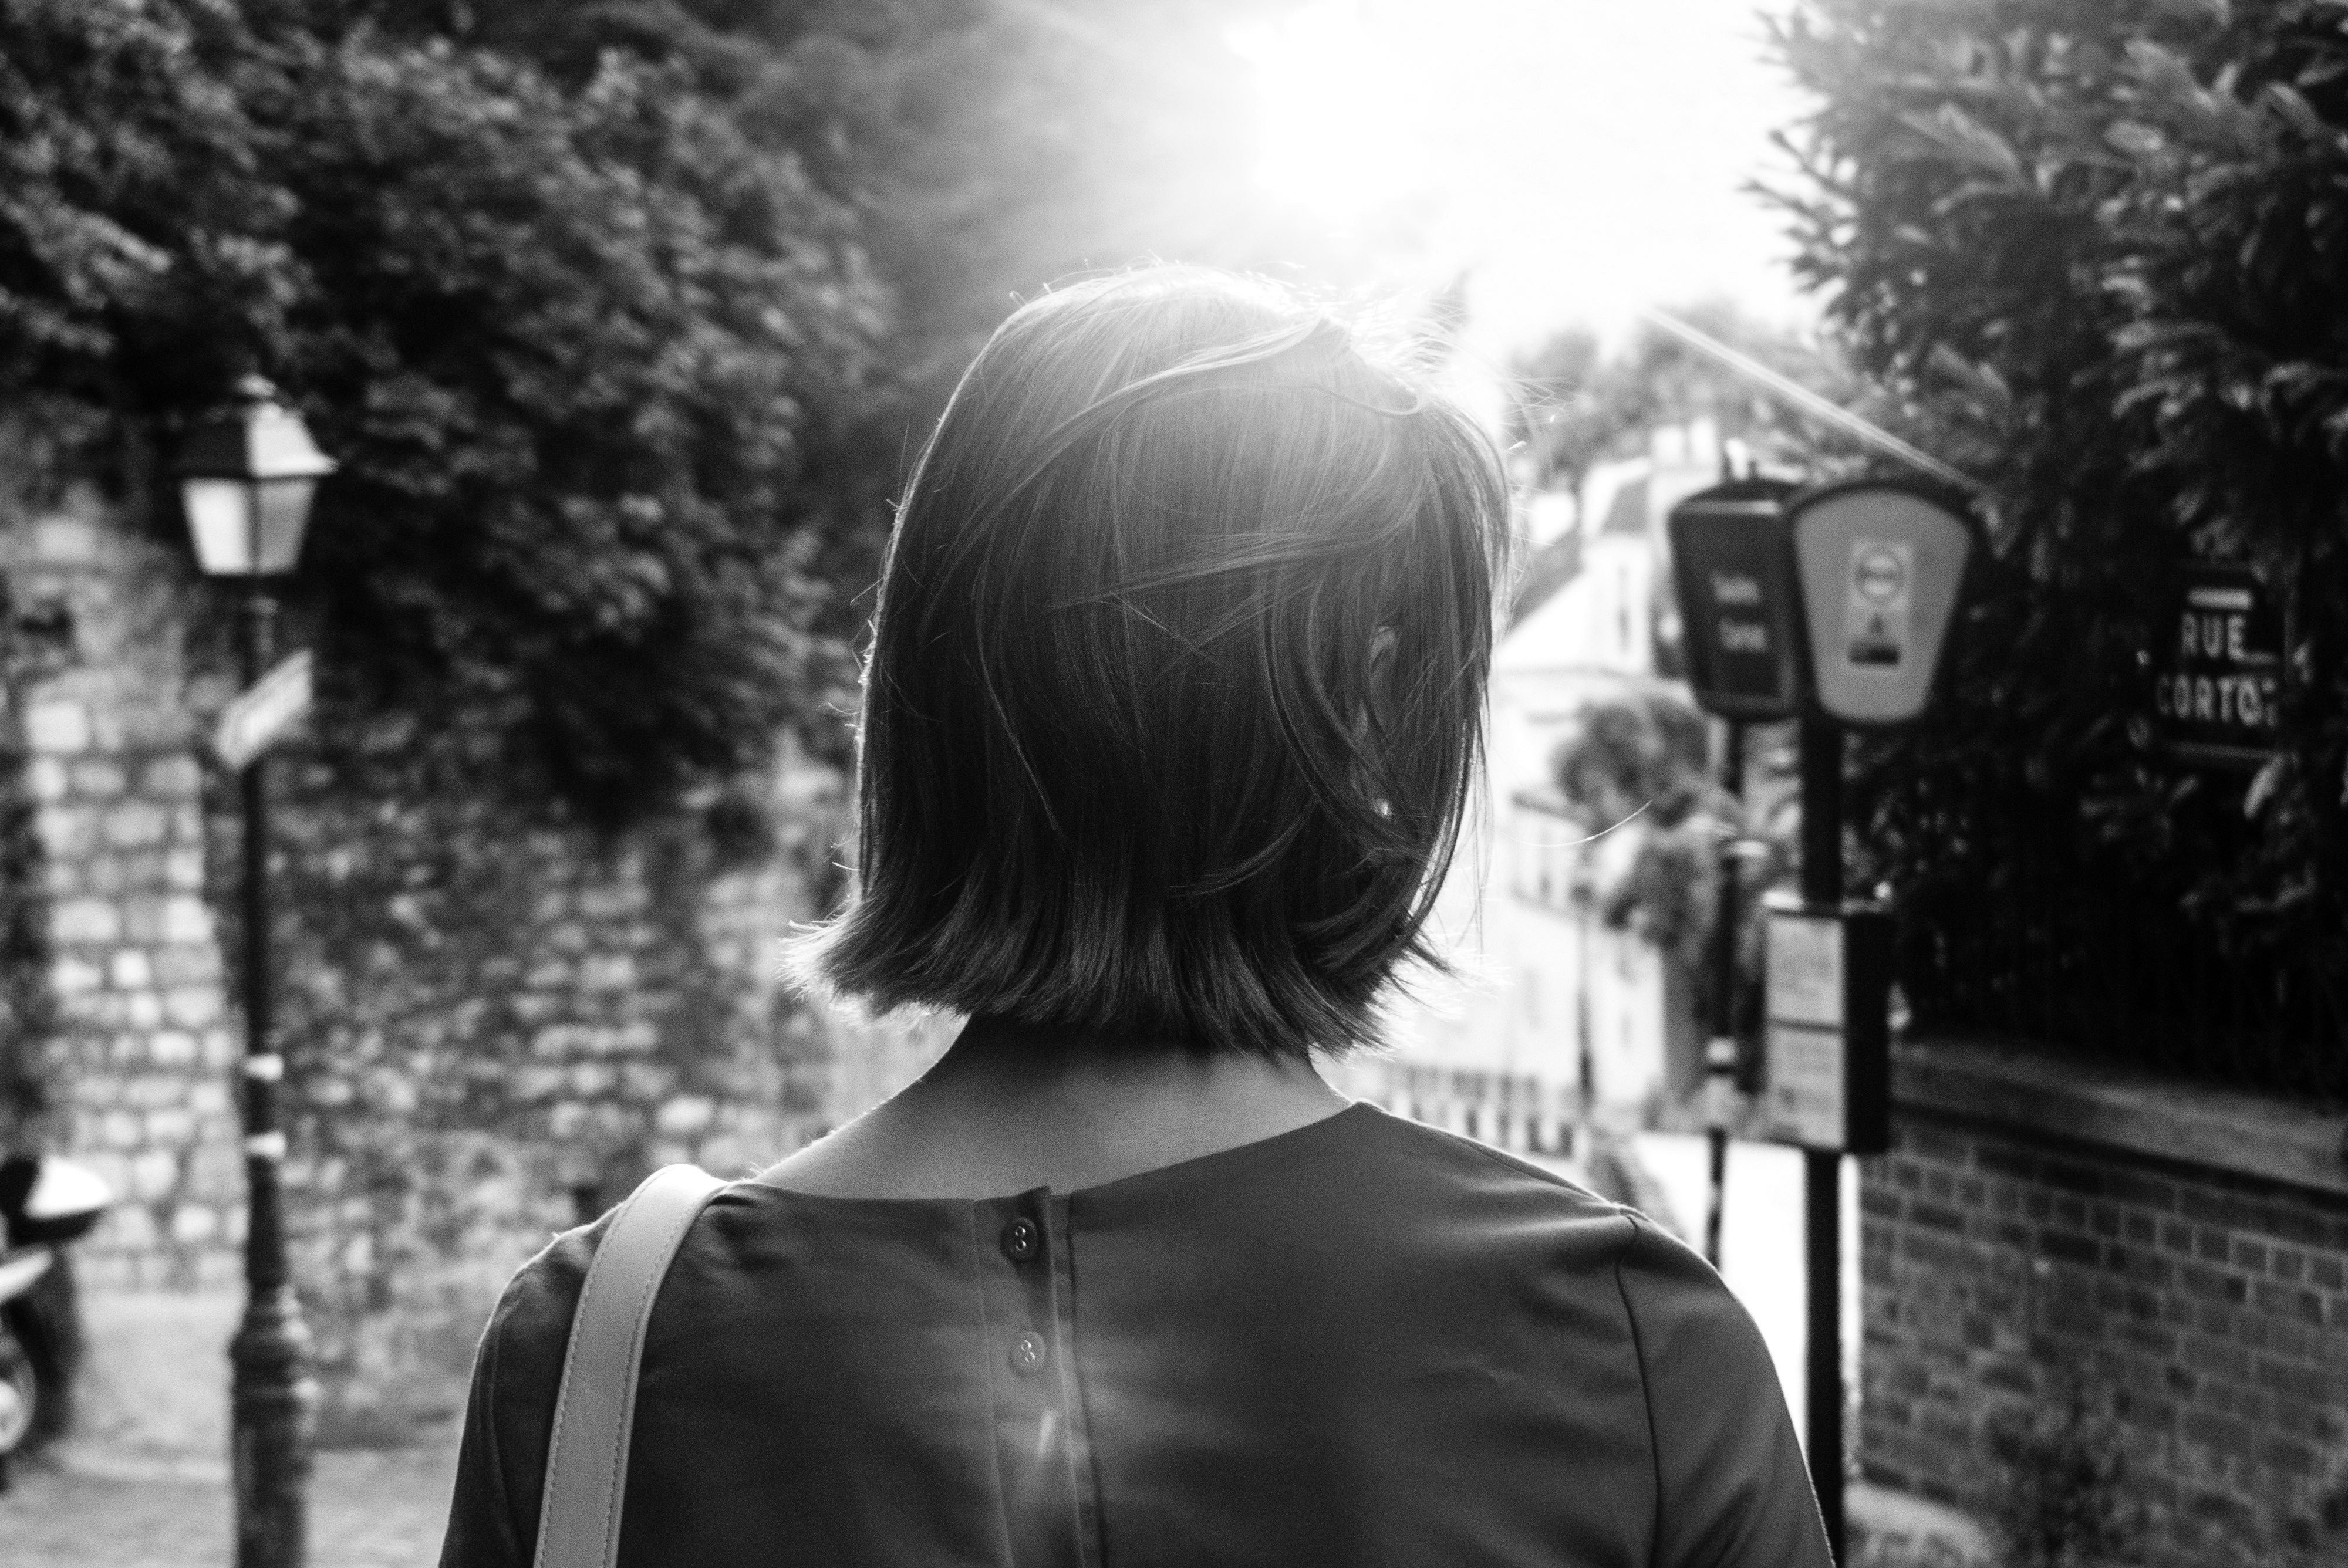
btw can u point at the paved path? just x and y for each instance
(366, 1510)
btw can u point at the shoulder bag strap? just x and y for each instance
(587, 1457)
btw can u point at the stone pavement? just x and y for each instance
(366, 1510)
(143, 1483)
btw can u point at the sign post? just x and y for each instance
(1731, 565)
(1831, 605)
(1821, 901)
(1881, 564)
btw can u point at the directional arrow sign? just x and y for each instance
(271, 705)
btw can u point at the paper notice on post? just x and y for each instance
(1806, 1099)
(1804, 975)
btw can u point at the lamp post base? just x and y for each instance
(272, 1403)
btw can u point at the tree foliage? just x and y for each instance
(1641, 761)
(1577, 406)
(1637, 760)
(984, 148)
(570, 346)
(621, 319)
(2100, 248)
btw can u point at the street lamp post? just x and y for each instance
(246, 479)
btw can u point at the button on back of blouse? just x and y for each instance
(1027, 1353)
(1021, 1240)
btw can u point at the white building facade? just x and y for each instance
(1553, 1020)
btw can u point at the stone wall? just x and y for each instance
(136, 1066)
(495, 1018)
(2098, 1295)
(495, 1024)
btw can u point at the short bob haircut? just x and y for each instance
(1176, 689)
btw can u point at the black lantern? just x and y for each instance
(246, 478)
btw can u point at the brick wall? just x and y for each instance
(2065, 1278)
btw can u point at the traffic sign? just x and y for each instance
(1739, 605)
(1882, 565)
(251, 723)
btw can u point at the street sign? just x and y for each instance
(1827, 1007)
(1739, 606)
(1881, 564)
(264, 712)
(2217, 686)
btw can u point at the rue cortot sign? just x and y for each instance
(2217, 667)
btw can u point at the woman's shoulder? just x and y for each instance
(542, 1295)
(1722, 1443)
(1410, 1161)
(517, 1376)
(1457, 1191)
(531, 1321)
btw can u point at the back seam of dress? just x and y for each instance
(1083, 1464)
(1003, 1553)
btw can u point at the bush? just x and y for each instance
(2097, 249)
(2066, 1498)
(1637, 761)
(572, 349)
(570, 346)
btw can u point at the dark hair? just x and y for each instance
(1177, 680)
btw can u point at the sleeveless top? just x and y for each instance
(1364, 1342)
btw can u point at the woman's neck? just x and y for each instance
(1007, 1109)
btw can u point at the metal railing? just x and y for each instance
(2074, 951)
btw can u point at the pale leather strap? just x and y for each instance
(587, 1457)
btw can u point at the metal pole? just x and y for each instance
(272, 1396)
(1822, 812)
(1822, 1168)
(1720, 1049)
(1585, 1074)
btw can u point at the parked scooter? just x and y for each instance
(43, 1203)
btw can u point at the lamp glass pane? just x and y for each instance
(219, 518)
(284, 511)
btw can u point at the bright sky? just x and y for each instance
(1583, 157)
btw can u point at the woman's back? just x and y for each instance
(1174, 704)
(1360, 1341)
